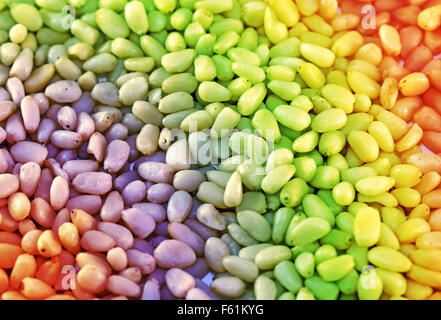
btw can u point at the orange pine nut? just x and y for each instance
(429, 240)
(432, 40)
(418, 58)
(42, 212)
(9, 254)
(9, 237)
(19, 206)
(388, 5)
(433, 198)
(432, 98)
(434, 64)
(92, 279)
(36, 289)
(420, 211)
(48, 244)
(414, 84)
(428, 119)
(30, 240)
(432, 140)
(390, 40)
(4, 281)
(410, 37)
(81, 294)
(396, 72)
(7, 223)
(435, 220)
(417, 291)
(82, 220)
(66, 258)
(430, 19)
(406, 107)
(435, 296)
(49, 271)
(12, 295)
(410, 139)
(425, 276)
(69, 237)
(435, 78)
(386, 63)
(95, 259)
(406, 15)
(25, 226)
(61, 297)
(25, 266)
(428, 182)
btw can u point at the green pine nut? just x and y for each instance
(244, 55)
(224, 69)
(205, 44)
(104, 62)
(316, 38)
(293, 192)
(339, 239)
(152, 48)
(238, 86)
(204, 68)
(305, 264)
(318, 55)
(324, 252)
(331, 143)
(136, 17)
(306, 168)
(123, 48)
(254, 201)
(240, 235)
(27, 15)
(312, 75)
(282, 219)
(281, 73)
(277, 178)
(248, 71)
(321, 289)
(329, 120)
(178, 61)
(287, 48)
(249, 253)
(286, 273)
(306, 142)
(250, 100)
(264, 287)
(111, 24)
(241, 268)
(292, 117)
(218, 177)
(308, 230)
(266, 125)
(180, 82)
(316, 207)
(255, 224)
(174, 102)
(326, 177)
(248, 39)
(211, 193)
(269, 257)
(180, 19)
(210, 91)
(226, 120)
(84, 32)
(139, 64)
(252, 174)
